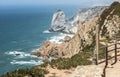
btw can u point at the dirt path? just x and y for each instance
(59, 73)
(114, 71)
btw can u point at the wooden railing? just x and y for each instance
(107, 51)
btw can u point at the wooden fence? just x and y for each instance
(107, 51)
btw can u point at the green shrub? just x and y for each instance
(78, 59)
(74, 61)
(44, 64)
(32, 72)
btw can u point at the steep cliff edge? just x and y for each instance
(109, 25)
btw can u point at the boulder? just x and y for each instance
(67, 39)
(36, 53)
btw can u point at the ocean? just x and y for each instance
(24, 29)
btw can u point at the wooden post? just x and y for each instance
(115, 49)
(106, 56)
(97, 43)
(115, 52)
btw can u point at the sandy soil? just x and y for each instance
(59, 73)
(114, 71)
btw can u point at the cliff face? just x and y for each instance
(111, 27)
(85, 36)
(62, 24)
(58, 21)
(82, 38)
(110, 21)
(86, 14)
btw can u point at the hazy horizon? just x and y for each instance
(23, 3)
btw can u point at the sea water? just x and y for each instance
(24, 29)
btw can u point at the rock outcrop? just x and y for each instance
(61, 24)
(58, 21)
(110, 21)
(66, 39)
(111, 27)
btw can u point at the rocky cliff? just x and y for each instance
(108, 22)
(83, 37)
(62, 24)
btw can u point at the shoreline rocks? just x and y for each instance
(66, 39)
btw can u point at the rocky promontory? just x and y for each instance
(62, 24)
(108, 22)
(84, 36)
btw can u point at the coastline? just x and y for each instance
(75, 51)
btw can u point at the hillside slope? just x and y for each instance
(109, 22)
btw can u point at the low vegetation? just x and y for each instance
(67, 63)
(26, 72)
(81, 58)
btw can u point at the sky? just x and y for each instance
(5, 3)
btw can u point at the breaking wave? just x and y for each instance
(46, 31)
(19, 54)
(33, 62)
(57, 38)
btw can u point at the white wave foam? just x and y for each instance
(15, 53)
(19, 54)
(46, 31)
(33, 62)
(57, 38)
